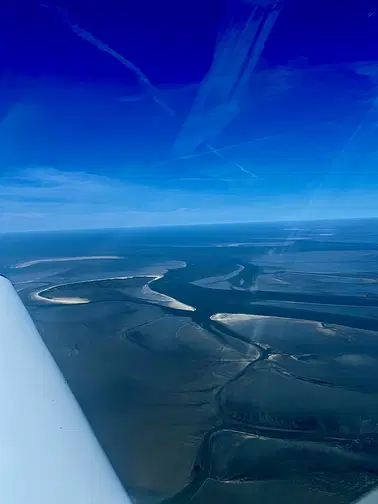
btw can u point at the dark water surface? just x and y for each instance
(277, 401)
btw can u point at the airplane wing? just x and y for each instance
(48, 452)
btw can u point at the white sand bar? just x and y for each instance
(64, 300)
(63, 259)
(145, 293)
(236, 317)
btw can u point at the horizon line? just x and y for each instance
(163, 226)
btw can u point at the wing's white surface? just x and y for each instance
(48, 452)
(372, 498)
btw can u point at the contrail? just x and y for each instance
(236, 54)
(219, 149)
(217, 153)
(102, 46)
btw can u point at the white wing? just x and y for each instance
(48, 452)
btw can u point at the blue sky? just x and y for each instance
(187, 121)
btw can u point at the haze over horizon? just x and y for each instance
(305, 224)
(189, 122)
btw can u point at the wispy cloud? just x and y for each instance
(48, 184)
(236, 55)
(44, 198)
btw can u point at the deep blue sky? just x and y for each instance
(84, 144)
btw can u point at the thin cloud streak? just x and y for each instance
(227, 161)
(102, 46)
(46, 199)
